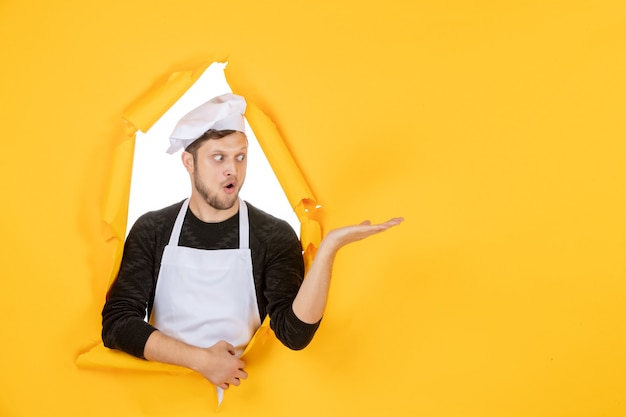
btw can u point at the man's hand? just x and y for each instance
(218, 363)
(220, 366)
(342, 236)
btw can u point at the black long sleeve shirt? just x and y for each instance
(277, 266)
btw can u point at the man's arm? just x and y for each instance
(310, 302)
(123, 315)
(218, 363)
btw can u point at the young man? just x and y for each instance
(208, 269)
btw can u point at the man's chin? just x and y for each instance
(225, 204)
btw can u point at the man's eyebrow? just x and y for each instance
(223, 151)
(218, 150)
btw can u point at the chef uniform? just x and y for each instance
(204, 296)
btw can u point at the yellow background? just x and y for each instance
(495, 128)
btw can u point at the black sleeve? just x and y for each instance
(130, 297)
(284, 273)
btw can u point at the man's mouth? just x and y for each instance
(229, 187)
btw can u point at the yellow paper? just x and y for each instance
(495, 128)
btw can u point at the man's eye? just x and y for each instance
(218, 157)
(241, 157)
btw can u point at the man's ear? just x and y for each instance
(187, 159)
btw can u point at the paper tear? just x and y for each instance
(141, 116)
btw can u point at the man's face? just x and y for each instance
(219, 170)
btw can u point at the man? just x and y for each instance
(207, 270)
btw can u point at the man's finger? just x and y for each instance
(241, 374)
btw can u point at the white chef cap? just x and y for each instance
(223, 112)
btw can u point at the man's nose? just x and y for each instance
(230, 169)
